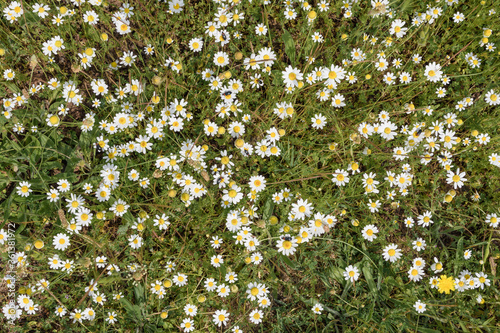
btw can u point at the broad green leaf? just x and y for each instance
(289, 46)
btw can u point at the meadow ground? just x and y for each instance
(249, 166)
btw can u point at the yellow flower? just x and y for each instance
(446, 284)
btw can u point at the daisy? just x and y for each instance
(216, 260)
(373, 205)
(301, 209)
(257, 258)
(190, 310)
(317, 37)
(24, 189)
(483, 139)
(135, 241)
(111, 318)
(492, 220)
(492, 98)
(290, 13)
(440, 92)
(333, 75)
(77, 316)
(180, 279)
(351, 273)
(482, 279)
(216, 242)
(391, 253)
(433, 72)
(437, 266)
(60, 311)
(317, 308)
(261, 29)
(61, 242)
(457, 178)
(370, 232)
(231, 277)
(340, 177)
(188, 325)
(415, 274)
(64, 185)
(287, 245)
(74, 203)
(419, 306)
(338, 101)
(221, 59)
(210, 284)
(119, 207)
(318, 121)
(220, 317)
(390, 79)
(425, 219)
(291, 76)
(419, 244)
(256, 316)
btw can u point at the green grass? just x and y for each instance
(381, 300)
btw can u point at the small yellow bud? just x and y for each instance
(239, 143)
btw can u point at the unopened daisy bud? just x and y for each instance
(238, 55)
(156, 80)
(239, 143)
